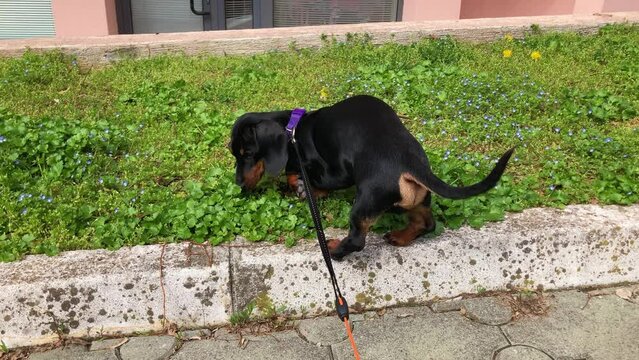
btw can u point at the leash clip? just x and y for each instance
(296, 115)
(291, 134)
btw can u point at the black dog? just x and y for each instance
(359, 141)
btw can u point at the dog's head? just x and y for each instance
(259, 144)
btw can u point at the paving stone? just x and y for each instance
(148, 348)
(105, 344)
(323, 331)
(426, 336)
(74, 352)
(605, 329)
(488, 310)
(571, 299)
(408, 311)
(196, 334)
(447, 305)
(276, 346)
(521, 352)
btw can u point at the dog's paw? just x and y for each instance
(335, 249)
(398, 238)
(333, 245)
(300, 190)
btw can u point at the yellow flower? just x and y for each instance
(535, 55)
(508, 37)
(324, 94)
(507, 53)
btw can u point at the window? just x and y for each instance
(161, 16)
(323, 12)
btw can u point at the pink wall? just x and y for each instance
(588, 6)
(621, 5)
(84, 17)
(471, 9)
(431, 9)
(415, 10)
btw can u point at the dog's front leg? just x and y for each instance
(363, 214)
(296, 184)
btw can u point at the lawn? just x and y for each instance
(135, 152)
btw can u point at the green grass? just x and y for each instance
(134, 153)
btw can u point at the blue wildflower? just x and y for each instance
(2, 139)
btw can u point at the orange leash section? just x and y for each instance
(350, 337)
(350, 333)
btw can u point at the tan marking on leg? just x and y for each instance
(365, 225)
(292, 179)
(320, 193)
(333, 244)
(421, 219)
(411, 190)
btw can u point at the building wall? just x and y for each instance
(84, 17)
(431, 9)
(98, 17)
(415, 10)
(472, 9)
(621, 5)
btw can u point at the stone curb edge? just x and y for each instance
(102, 50)
(103, 293)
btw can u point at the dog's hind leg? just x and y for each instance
(420, 221)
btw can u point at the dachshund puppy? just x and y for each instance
(357, 142)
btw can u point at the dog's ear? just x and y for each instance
(272, 142)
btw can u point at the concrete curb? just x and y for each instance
(101, 50)
(97, 293)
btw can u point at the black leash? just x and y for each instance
(340, 303)
(341, 306)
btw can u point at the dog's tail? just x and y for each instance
(439, 187)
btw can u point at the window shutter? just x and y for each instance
(162, 16)
(323, 12)
(238, 14)
(25, 19)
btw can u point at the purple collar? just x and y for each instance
(296, 115)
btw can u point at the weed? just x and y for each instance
(241, 317)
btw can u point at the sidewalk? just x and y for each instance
(569, 325)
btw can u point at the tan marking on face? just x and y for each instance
(254, 175)
(412, 191)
